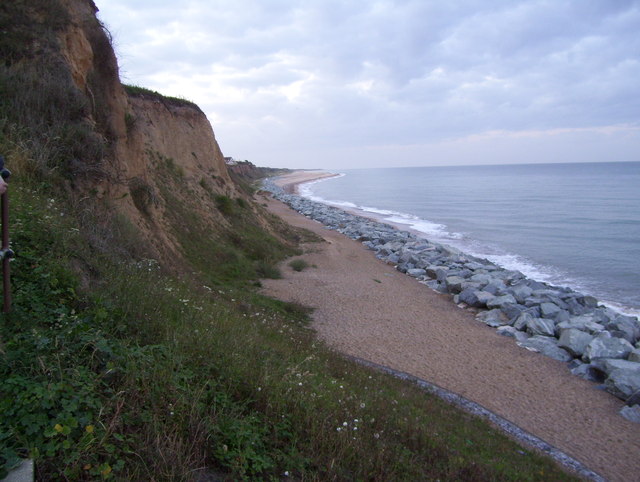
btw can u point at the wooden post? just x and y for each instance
(6, 254)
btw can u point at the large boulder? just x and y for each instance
(547, 346)
(416, 272)
(482, 278)
(634, 356)
(475, 298)
(606, 346)
(455, 284)
(574, 341)
(549, 310)
(623, 382)
(631, 413)
(588, 372)
(608, 365)
(500, 301)
(520, 292)
(511, 332)
(522, 321)
(582, 323)
(493, 318)
(627, 326)
(541, 326)
(513, 311)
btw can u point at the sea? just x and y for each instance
(575, 225)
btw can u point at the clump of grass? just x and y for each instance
(138, 91)
(142, 194)
(267, 270)
(298, 264)
(224, 204)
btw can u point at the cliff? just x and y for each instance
(136, 155)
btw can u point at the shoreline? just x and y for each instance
(404, 325)
(292, 186)
(291, 182)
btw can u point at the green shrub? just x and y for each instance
(224, 204)
(298, 264)
(267, 270)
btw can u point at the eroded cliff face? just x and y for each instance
(162, 154)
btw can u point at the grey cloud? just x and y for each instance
(389, 72)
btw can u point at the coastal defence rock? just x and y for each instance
(554, 321)
(631, 413)
(623, 382)
(547, 346)
(574, 341)
(607, 346)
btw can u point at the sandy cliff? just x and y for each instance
(159, 152)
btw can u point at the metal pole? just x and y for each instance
(6, 270)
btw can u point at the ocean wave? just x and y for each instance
(437, 232)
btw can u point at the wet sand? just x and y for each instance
(367, 309)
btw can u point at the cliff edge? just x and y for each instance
(134, 154)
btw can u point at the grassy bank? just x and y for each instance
(149, 376)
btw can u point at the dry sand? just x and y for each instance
(367, 309)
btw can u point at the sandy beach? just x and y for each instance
(367, 309)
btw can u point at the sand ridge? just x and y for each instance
(367, 309)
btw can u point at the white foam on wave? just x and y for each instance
(304, 189)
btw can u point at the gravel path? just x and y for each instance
(367, 309)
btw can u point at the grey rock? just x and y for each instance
(631, 413)
(473, 265)
(606, 346)
(520, 292)
(493, 318)
(416, 273)
(575, 308)
(437, 286)
(547, 346)
(634, 356)
(574, 341)
(626, 325)
(441, 274)
(455, 284)
(608, 365)
(541, 326)
(634, 399)
(475, 298)
(581, 323)
(623, 382)
(512, 310)
(522, 321)
(511, 332)
(483, 279)
(589, 372)
(589, 301)
(549, 310)
(500, 301)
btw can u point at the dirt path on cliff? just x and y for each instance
(367, 309)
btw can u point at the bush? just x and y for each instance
(224, 204)
(267, 270)
(298, 264)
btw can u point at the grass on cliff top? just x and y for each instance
(138, 91)
(151, 377)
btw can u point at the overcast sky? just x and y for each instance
(338, 84)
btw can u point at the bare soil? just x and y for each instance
(367, 309)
